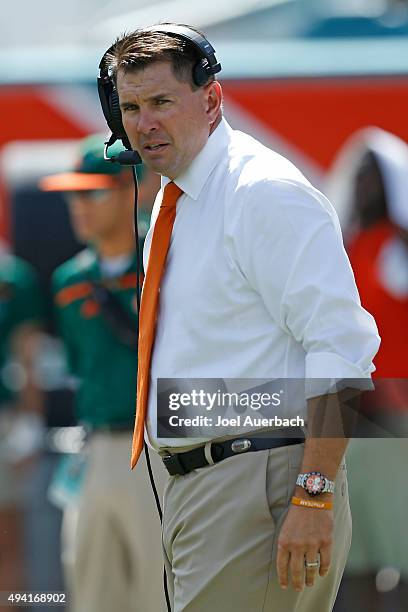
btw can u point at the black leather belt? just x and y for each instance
(214, 452)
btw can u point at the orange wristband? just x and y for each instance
(311, 503)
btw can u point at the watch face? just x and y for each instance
(314, 483)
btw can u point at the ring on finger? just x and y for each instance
(312, 564)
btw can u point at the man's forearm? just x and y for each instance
(328, 428)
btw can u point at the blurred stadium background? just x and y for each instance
(300, 75)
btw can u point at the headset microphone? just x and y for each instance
(125, 158)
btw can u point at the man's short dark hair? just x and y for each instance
(138, 49)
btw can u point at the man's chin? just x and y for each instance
(156, 166)
(82, 235)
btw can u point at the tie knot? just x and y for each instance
(171, 194)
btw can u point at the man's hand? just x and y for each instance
(306, 533)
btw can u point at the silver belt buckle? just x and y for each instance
(241, 445)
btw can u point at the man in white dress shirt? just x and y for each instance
(257, 285)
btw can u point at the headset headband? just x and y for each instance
(202, 45)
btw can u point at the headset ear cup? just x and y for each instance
(116, 114)
(116, 117)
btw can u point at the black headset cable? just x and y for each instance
(138, 295)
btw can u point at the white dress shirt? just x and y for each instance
(257, 283)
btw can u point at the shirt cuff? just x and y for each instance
(330, 373)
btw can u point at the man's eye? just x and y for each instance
(129, 107)
(162, 101)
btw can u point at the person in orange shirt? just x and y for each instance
(369, 185)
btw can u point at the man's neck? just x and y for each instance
(216, 123)
(115, 247)
(213, 127)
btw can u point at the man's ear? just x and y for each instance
(214, 101)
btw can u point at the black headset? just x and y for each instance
(108, 95)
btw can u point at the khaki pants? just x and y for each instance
(117, 561)
(220, 533)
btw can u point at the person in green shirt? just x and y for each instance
(117, 550)
(21, 311)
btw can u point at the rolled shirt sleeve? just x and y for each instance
(294, 257)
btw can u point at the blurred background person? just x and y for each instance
(115, 532)
(21, 406)
(369, 185)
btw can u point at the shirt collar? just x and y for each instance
(192, 180)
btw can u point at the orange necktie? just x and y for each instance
(148, 309)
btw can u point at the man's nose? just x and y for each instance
(146, 121)
(78, 202)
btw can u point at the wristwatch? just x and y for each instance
(315, 483)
